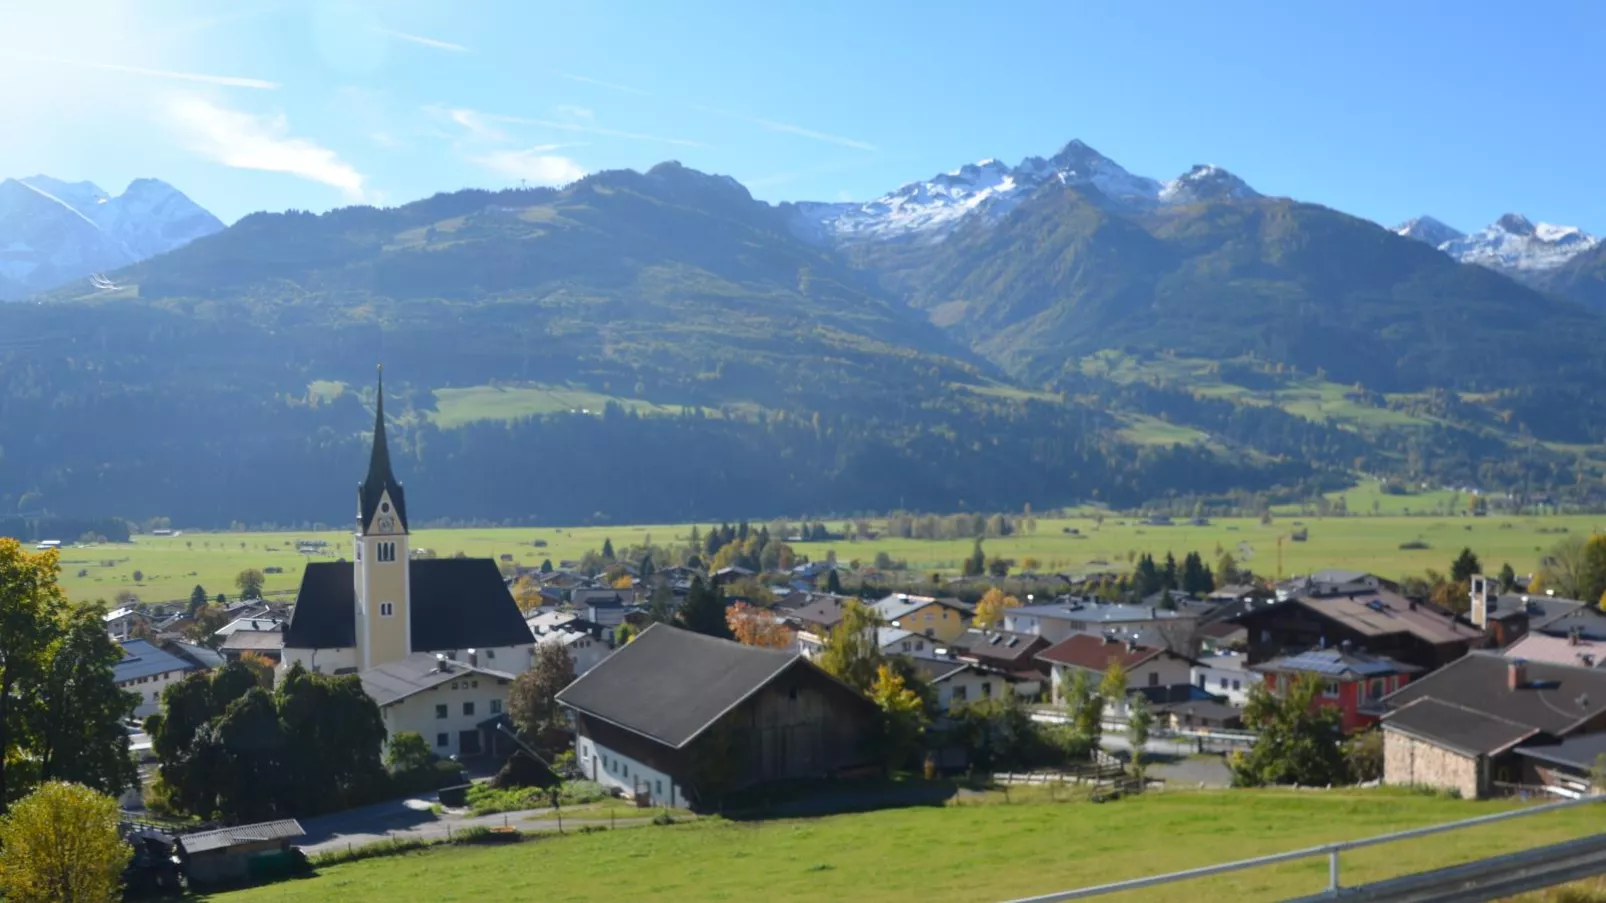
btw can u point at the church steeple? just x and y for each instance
(380, 490)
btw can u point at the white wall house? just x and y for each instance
(617, 771)
(1144, 624)
(445, 702)
(1223, 674)
(585, 650)
(147, 670)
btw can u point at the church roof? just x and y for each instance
(380, 478)
(455, 603)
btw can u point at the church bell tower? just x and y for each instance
(381, 571)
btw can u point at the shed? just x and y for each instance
(241, 855)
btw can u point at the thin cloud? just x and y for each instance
(229, 81)
(536, 165)
(245, 141)
(787, 128)
(612, 86)
(436, 43)
(477, 121)
(574, 112)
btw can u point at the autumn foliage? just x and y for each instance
(990, 610)
(756, 627)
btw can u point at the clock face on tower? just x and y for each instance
(387, 524)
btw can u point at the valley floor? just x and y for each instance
(981, 850)
(169, 567)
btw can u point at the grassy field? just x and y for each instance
(171, 566)
(968, 853)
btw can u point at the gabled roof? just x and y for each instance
(669, 685)
(1580, 752)
(1560, 650)
(1456, 728)
(456, 603)
(380, 479)
(254, 641)
(1336, 663)
(395, 681)
(141, 659)
(1095, 613)
(901, 605)
(1083, 650)
(1374, 613)
(1000, 647)
(1556, 699)
(223, 838)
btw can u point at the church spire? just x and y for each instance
(380, 480)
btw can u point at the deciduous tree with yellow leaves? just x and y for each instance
(757, 627)
(903, 716)
(60, 844)
(990, 610)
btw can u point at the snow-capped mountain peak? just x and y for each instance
(1428, 230)
(990, 189)
(1516, 244)
(1206, 182)
(52, 231)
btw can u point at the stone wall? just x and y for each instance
(1411, 762)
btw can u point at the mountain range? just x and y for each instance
(1057, 331)
(53, 232)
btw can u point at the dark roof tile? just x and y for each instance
(456, 603)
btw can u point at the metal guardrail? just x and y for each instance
(1330, 850)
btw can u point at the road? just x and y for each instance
(412, 819)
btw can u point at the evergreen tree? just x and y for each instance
(607, 550)
(704, 610)
(646, 567)
(712, 545)
(1168, 576)
(1146, 577)
(661, 605)
(741, 532)
(197, 600)
(1465, 565)
(833, 582)
(546, 565)
(976, 564)
(1508, 578)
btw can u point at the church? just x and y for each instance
(436, 642)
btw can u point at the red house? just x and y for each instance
(1352, 682)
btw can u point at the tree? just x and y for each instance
(260, 666)
(1465, 566)
(527, 594)
(1086, 708)
(76, 711)
(546, 565)
(1226, 570)
(532, 702)
(1113, 686)
(623, 581)
(990, 610)
(999, 566)
(31, 605)
(976, 564)
(408, 752)
(1139, 721)
(756, 627)
(1592, 570)
(61, 844)
(249, 582)
(1029, 563)
(607, 550)
(204, 626)
(704, 610)
(851, 653)
(197, 599)
(1508, 578)
(139, 576)
(1562, 567)
(624, 633)
(903, 716)
(1363, 754)
(833, 582)
(661, 604)
(1299, 741)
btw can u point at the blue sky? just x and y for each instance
(1463, 110)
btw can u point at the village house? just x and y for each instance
(1014, 654)
(267, 643)
(1576, 648)
(1353, 682)
(933, 618)
(1146, 666)
(1508, 617)
(1374, 620)
(682, 719)
(453, 705)
(1485, 723)
(232, 856)
(958, 682)
(122, 623)
(1141, 623)
(389, 610)
(585, 651)
(147, 670)
(1223, 674)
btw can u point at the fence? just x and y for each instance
(1332, 851)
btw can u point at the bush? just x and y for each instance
(1364, 755)
(1414, 545)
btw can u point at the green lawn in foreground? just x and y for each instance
(172, 565)
(962, 853)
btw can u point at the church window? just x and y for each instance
(387, 551)
(386, 609)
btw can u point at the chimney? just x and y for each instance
(1516, 674)
(1109, 639)
(442, 663)
(1573, 635)
(473, 658)
(1132, 645)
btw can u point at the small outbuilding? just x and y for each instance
(245, 854)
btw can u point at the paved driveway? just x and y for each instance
(412, 819)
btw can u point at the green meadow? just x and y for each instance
(169, 567)
(973, 853)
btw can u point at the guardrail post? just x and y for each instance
(1332, 872)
